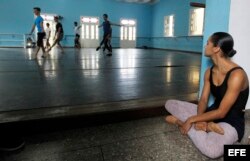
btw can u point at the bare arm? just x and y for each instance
(235, 85)
(114, 24)
(100, 25)
(59, 30)
(41, 25)
(202, 105)
(56, 34)
(32, 29)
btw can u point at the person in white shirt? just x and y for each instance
(77, 35)
(48, 34)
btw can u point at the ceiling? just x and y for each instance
(138, 1)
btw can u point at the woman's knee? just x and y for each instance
(212, 144)
(211, 150)
(172, 105)
(169, 103)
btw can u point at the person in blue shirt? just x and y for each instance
(40, 31)
(107, 34)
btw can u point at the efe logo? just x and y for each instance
(236, 152)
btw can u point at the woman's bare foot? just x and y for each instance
(211, 126)
(173, 120)
(202, 126)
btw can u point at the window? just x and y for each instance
(169, 26)
(128, 30)
(196, 21)
(90, 28)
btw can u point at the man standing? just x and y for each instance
(40, 31)
(48, 33)
(77, 35)
(107, 33)
(58, 34)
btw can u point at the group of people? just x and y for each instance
(46, 34)
(59, 31)
(41, 33)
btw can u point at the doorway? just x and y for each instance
(89, 32)
(128, 33)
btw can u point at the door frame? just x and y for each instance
(128, 43)
(90, 43)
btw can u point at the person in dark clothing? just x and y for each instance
(58, 34)
(107, 33)
(223, 122)
(77, 35)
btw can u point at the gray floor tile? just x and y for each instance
(90, 154)
(160, 147)
(140, 128)
(68, 140)
(137, 140)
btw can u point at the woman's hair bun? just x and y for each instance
(231, 53)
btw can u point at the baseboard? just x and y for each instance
(195, 52)
(11, 47)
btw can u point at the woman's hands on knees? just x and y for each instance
(200, 126)
(186, 126)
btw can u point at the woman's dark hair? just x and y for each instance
(37, 8)
(75, 23)
(105, 15)
(225, 42)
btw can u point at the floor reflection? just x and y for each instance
(47, 68)
(194, 75)
(87, 76)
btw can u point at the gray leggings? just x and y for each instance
(210, 144)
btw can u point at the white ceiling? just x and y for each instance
(138, 1)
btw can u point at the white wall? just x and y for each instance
(239, 28)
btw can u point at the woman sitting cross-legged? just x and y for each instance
(222, 123)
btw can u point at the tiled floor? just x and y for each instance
(139, 140)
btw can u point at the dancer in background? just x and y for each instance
(77, 35)
(48, 34)
(107, 34)
(40, 31)
(58, 34)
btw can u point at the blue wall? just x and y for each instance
(17, 15)
(216, 19)
(180, 9)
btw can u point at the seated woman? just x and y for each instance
(222, 123)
